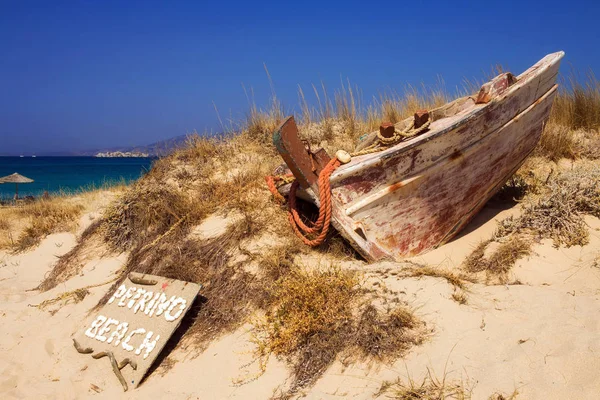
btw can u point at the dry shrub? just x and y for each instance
(307, 304)
(499, 263)
(430, 388)
(145, 211)
(456, 279)
(504, 396)
(386, 336)
(46, 217)
(557, 212)
(554, 210)
(312, 319)
(588, 144)
(4, 223)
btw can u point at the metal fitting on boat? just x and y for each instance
(387, 129)
(343, 156)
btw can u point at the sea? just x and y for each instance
(69, 175)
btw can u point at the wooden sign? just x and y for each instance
(134, 325)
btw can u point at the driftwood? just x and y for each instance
(140, 280)
(115, 367)
(80, 349)
(129, 361)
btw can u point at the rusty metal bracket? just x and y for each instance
(305, 164)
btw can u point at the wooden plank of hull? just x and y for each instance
(409, 211)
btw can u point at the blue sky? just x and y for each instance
(84, 75)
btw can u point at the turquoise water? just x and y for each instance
(69, 174)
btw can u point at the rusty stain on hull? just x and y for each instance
(418, 194)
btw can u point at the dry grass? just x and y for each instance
(39, 219)
(6, 238)
(578, 103)
(430, 388)
(574, 126)
(456, 279)
(554, 208)
(557, 211)
(497, 264)
(504, 396)
(312, 319)
(558, 141)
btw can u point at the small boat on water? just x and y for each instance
(414, 185)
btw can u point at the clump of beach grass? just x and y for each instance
(501, 260)
(557, 141)
(557, 211)
(577, 105)
(45, 217)
(312, 319)
(6, 239)
(429, 388)
(573, 129)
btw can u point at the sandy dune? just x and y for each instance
(541, 337)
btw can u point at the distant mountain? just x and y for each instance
(156, 149)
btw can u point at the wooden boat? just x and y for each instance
(416, 195)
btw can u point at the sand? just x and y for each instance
(541, 338)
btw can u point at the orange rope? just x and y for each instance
(318, 229)
(273, 188)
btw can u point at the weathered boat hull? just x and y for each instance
(418, 194)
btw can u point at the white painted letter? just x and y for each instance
(149, 345)
(125, 342)
(164, 305)
(118, 333)
(118, 293)
(151, 306)
(142, 303)
(91, 332)
(138, 293)
(128, 295)
(168, 315)
(100, 336)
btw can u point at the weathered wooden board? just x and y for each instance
(137, 321)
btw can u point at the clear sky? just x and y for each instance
(84, 75)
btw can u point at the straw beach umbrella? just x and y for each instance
(16, 179)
